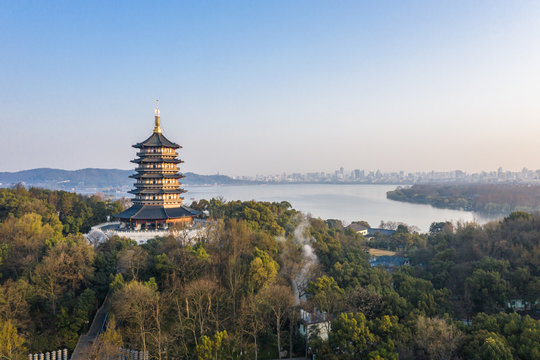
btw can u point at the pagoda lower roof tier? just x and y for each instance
(152, 159)
(152, 212)
(156, 191)
(156, 140)
(156, 176)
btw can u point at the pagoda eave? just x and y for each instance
(145, 175)
(156, 213)
(157, 160)
(156, 191)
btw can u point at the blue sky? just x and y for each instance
(253, 87)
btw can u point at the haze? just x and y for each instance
(272, 86)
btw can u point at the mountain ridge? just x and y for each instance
(97, 179)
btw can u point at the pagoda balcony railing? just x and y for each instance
(160, 182)
(156, 184)
(145, 168)
(157, 153)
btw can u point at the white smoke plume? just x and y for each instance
(309, 262)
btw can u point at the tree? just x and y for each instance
(436, 338)
(440, 227)
(233, 239)
(24, 240)
(486, 345)
(364, 300)
(486, 290)
(350, 337)
(107, 345)
(216, 348)
(67, 265)
(14, 302)
(133, 306)
(201, 298)
(11, 343)
(325, 294)
(253, 319)
(262, 269)
(277, 300)
(521, 333)
(362, 223)
(131, 261)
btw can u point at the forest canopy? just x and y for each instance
(259, 274)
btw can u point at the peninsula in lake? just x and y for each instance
(491, 199)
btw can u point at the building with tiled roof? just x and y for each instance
(158, 192)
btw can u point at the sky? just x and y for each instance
(265, 87)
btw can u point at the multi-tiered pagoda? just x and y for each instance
(158, 192)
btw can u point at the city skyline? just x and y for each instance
(251, 88)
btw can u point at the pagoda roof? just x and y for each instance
(153, 212)
(152, 159)
(157, 139)
(147, 191)
(156, 176)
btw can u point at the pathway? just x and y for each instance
(85, 341)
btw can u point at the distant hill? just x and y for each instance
(86, 180)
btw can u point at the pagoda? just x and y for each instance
(158, 193)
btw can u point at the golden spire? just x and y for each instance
(157, 128)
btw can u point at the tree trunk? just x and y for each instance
(143, 338)
(278, 328)
(158, 324)
(291, 328)
(256, 350)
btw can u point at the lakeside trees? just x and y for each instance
(490, 199)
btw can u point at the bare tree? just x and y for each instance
(278, 301)
(252, 319)
(133, 305)
(200, 301)
(437, 338)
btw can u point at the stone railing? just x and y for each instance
(106, 230)
(127, 354)
(52, 355)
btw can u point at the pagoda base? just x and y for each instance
(151, 217)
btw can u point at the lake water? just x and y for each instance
(344, 202)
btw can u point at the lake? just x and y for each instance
(336, 201)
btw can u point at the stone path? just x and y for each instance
(85, 341)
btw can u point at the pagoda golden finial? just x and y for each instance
(157, 128)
